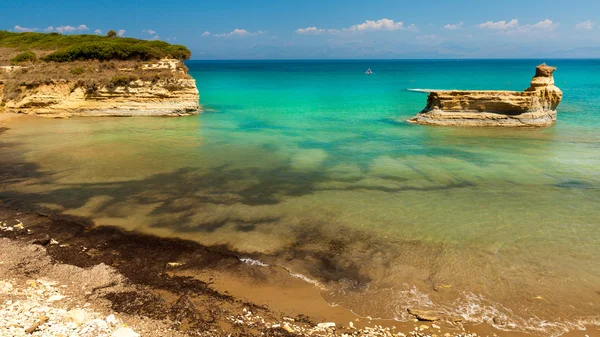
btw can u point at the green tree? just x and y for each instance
(111, 33)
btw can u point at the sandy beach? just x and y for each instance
(102, 279)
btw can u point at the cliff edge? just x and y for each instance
(84, 75)
(534, 107)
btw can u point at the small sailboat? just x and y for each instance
(368, 72)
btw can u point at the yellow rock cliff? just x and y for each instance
(534, 107)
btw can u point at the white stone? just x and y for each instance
(124, 332)
(78, 316)
(55, 298)
(111, 319)
(326, 325)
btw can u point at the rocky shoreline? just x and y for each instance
(61, 276)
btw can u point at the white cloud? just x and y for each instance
(542, 26)
(500, 25)
(155, 37)
(453, 25)
(65, 29)
(98, 31)
(368, 25)
(241, 33)
(23, 29)
(382, 24)
(206, 33)
(585, 25)
(149, 31)
(310, 31)
(512, 27)
(545, 24)
(121, 32)
(412, 27)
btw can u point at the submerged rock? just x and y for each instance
(423, 315)
(534, 107)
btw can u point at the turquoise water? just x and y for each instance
(310, 165)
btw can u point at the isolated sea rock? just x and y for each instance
(534, 107)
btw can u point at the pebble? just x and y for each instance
(111, 319)
(326, 325)
(78, 316)
(124, 332)
(288, 328)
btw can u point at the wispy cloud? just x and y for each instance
(24, 29)
(585, 25)
(513, 27)
(121, 32)
(152, 33)
(452, 26)
(367, 26)
(500, 25)
(206, 33)
(310, 31)
(98, 31)
(240, 33)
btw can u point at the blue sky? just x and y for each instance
(261, 29)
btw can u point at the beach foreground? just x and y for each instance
(62, 276)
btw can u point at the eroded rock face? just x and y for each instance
(175, 97)
(534, 107)
(164, 97)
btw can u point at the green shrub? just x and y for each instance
(78, 71)
(24, 57)
(111, 33)
(92, 47)
(122, 81)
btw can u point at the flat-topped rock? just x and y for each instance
(534, 107)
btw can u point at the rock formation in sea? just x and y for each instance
(534, 107)
(123, 95)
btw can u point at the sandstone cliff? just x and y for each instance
(534, 107)
(164, 89)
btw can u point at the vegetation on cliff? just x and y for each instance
(30, 61)
(66, 48)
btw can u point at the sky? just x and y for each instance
(330, 29)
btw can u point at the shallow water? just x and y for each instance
(309, 165)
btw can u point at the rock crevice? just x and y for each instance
(534, 107)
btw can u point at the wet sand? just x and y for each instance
(204, 291)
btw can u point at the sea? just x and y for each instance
(310, 165)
